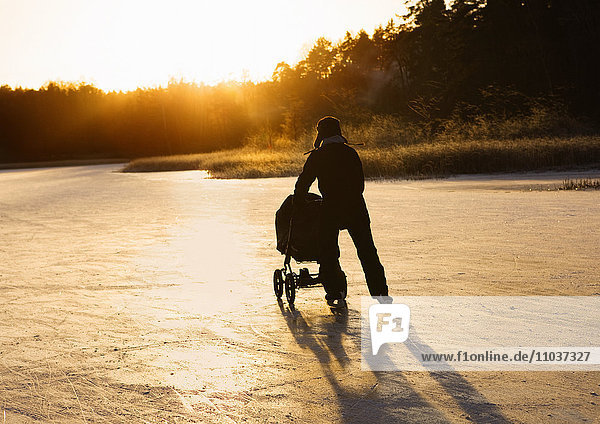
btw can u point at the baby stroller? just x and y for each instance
(297, 237)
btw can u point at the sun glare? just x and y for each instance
(121, 45)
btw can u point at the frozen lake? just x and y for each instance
(148, 297)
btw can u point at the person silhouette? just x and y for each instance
(339, 172)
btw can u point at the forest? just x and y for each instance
(491, 69)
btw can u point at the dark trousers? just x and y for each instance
(330, 271)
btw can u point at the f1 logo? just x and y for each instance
(389, 324)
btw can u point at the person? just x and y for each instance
(341, 182)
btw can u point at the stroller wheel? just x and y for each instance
(290, 288)
(278, 283)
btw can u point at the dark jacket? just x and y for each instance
(341, 182)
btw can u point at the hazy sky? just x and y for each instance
(122, 44)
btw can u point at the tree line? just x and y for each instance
(439, 62)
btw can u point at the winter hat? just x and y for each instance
(327, 127)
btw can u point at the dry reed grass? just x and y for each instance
(238, 163)
(580, 184)
(437, 158)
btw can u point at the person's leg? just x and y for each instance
(360, 232)
(330, 271)
(333, 279)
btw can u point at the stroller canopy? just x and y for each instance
(304, 243)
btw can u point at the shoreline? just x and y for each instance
(59, 163)
(576, 172)
(416, 161)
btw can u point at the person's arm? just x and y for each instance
(358, 175)
(361, 174)
(305, 179)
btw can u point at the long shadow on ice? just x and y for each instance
(391, 397)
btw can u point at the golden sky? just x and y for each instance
(123, 44)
